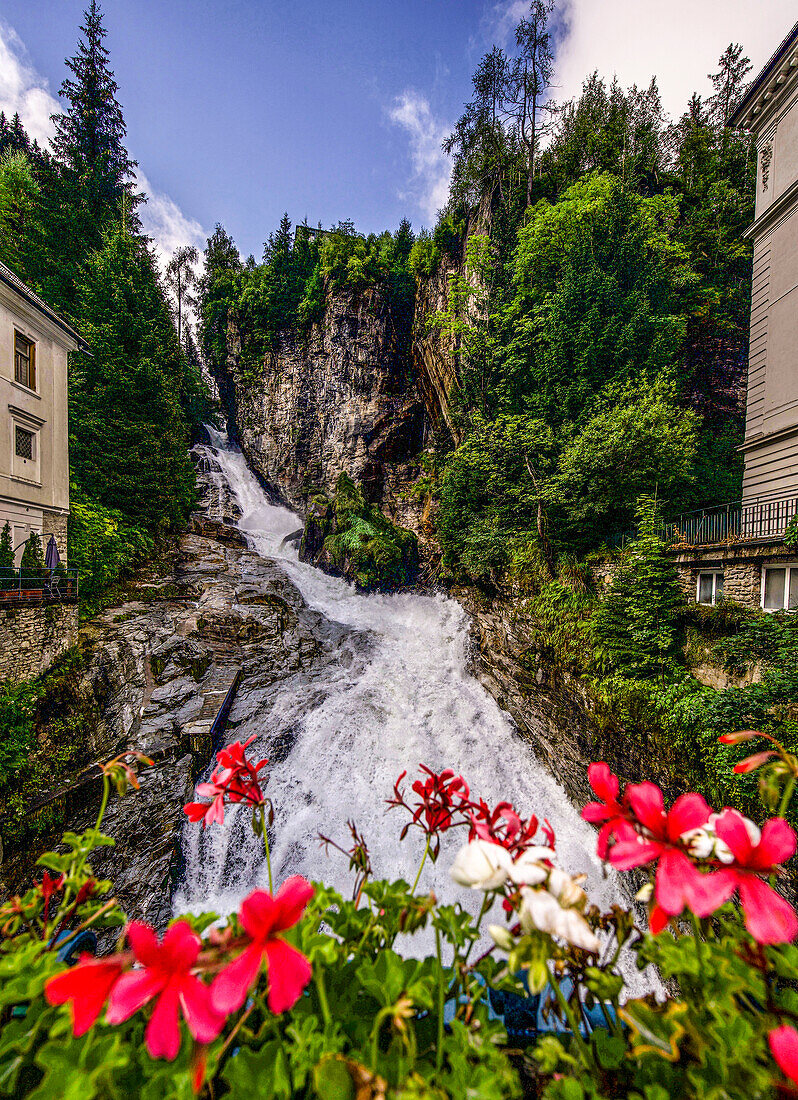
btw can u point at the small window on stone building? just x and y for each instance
(710, 588)
(780, 588)
(24, 443)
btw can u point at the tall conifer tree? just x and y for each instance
(90, 134)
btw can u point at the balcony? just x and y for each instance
(38, 586)
(738, 522)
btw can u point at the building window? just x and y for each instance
(24, 361)
(710, 588)
(24, 443)
(780, 588)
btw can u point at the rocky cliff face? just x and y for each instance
(149, 667)
(343, 399)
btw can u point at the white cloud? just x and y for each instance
(22, 90)
(25, 91)
(678, 41)
(432, 168)
(164, 221)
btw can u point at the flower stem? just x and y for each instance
(698, 949)
(98, 822)
(786, 797)
(420, 868)
(441, 1002)
(318, 978)
(265, 834)
(486, 904)
(580, 1043)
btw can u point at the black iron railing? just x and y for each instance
(42, 585)
(740, 521)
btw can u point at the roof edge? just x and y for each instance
(758, 83)
(13, 282)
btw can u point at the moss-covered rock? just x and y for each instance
(351, 538)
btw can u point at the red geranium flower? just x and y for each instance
(609, 809)
(504, 825)
(441, 795)
(235, 781)
(768, 917)
(656, 836)
(263, 917)
(48, 887)
(784, 1048)
(166, 974)
(87, 987)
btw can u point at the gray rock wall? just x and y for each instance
(31, 638)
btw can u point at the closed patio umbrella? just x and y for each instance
(52, 558)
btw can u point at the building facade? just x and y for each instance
(745, 550)
(34, 439)
(770, 111)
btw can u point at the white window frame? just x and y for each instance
(788, 567)
(714, 573)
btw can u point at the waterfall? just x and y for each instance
(393, 692)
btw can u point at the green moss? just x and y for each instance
(362, 543)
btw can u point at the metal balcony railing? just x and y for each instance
(39, 585)
(740, 521)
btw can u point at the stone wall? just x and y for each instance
(54, 523)
(740, 563)
(32, 637)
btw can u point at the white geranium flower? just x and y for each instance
(529, 869)
(541, 910)
(565, 889)
(481, 865)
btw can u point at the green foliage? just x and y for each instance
(17, 714)
(6, 547)
(102, 544)
(634, 625)
(128, 443)
(359, 541)
(259, 304)
(32, 557)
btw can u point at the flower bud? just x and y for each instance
(501, 936)
(738, 737)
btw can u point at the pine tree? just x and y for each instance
(32, 557)
(634, 626)
(181, 280)
(90, 135)
(6, 547)
(128, 445)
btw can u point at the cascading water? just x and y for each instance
(394, 692)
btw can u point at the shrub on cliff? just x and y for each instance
(351, 537)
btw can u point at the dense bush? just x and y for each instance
(102, 545)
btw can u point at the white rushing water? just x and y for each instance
(398, 697)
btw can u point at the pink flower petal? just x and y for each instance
(162, 1035)
(231, 985)
(680, 885)
(689, 811)
(87, 986)
(647, 805)
(144, 942)
(132, 992)
(784, 1048)
(603, 782)
(179, 947)
(291, 899)
(730, 827)
(768, 917)
(596, 811)
(657, 919)
(625, 854)
(259, 910)
(204, 1022)
(289, 973)
(777, 844)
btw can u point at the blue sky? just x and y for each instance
(331, 109)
